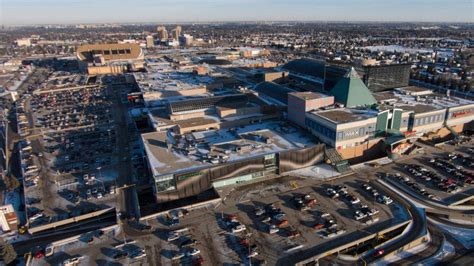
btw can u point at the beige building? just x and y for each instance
(342, 128)
(8, 218)
(299, 103)
(110, 58)
(175, 33)
(150, 41)
(403, 115)
(162, 33)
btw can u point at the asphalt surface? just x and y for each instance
(417, 229)
(42, 240)
(128, 203)
(126, 197)
(415, 197)
(437, 238)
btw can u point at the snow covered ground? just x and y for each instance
(321, 171)
(446, 250)
(464, 235)
(382, 161)
(16, 83)
(398, 48)
(14, 198)
(107, 175)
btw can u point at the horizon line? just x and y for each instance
(234, 21)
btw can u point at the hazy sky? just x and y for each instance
(90, 11)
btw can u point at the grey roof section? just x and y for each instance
(275, 91)
(307, 66)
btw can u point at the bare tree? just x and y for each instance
(7, 253)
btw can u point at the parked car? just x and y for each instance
(273, 229)
(193, 252)
(332, 193)
(173, 236)
(188, 242)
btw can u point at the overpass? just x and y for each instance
(453, 211)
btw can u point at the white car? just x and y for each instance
(178, 256)
(272, 229)
(36, 217)
(193, 252)
(359, 215)
(72, 261)
(372, 212)
(387, 200)
(355, 201)
(173, 236)
(136, 254)
(49, 250)
(238, 228)
(252, 254)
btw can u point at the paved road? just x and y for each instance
(22, 247)
(412, 196)
(418, 224)
(437, 238)
(127, 199)
(125, 177)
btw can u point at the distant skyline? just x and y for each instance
(20, 12)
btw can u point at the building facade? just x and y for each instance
(299, 103)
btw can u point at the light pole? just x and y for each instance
(100, 177)
(7, 148)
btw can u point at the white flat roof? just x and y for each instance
(164, 161)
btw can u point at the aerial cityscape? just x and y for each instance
(236, 132)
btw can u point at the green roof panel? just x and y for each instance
(351, 91)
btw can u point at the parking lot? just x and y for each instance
(314, 213)
(294, 214)
(75, 139)
(443, 174)
(96, 247)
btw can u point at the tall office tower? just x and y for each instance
(150, 41)
(162, 33)
(176, 32)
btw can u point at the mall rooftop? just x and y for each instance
(418, 100)
(170, 153)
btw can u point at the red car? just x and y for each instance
(378, 253)
(311, 202)
(231, 217)
(318, 226)
(198, 261)
(282, 223)
(244, 242)
(39, 254)
(292, 234)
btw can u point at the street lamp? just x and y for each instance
(100, 177)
